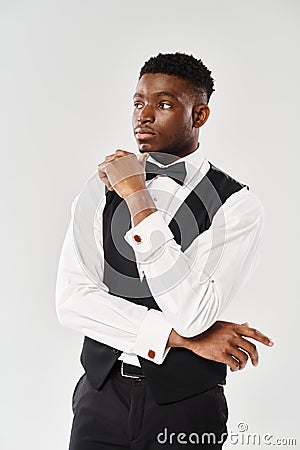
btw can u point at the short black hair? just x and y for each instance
(184, 66)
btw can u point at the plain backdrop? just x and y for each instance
(68, 72)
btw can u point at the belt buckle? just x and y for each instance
(128, 376)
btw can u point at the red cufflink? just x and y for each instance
(137, 238)
(151, 354)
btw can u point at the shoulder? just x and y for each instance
(90, 198)
(243, 209)
(223, 182)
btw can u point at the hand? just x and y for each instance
(123, 172)
(224, 342)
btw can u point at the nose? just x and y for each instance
(146, 114)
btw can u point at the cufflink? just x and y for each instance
(151, 354)
(137, 238)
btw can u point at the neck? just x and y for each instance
(168, 158)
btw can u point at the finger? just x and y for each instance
(231, 362)
(101, 170)
(124, 152)
(240, 356)
(246, 324)
(107, 182)
(103, 177)
(143, 159)
(248, 347)
(254, 334)
(109, 157)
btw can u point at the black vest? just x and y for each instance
(183, 373)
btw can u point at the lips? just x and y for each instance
(144, 134)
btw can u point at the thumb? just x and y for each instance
(143, 158)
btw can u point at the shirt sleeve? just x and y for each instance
(89, 308)
(192, 288)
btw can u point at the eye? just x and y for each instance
(164, 105)
(138, 105)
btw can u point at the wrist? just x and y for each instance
(140, 205)
(140, 195)
(175, 340)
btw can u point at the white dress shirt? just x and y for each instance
(192, 288)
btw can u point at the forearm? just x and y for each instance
(193, 287)
(88, 307)
(189, 305)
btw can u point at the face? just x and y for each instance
(166, 117)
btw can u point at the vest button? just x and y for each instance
(151, 354)
(115, 350)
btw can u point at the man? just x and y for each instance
(156, 249)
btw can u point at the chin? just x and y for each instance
(146, 147)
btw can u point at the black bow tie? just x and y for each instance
(176, 171)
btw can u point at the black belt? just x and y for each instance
(130, 370)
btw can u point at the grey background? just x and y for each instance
(68, 72)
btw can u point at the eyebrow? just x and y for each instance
(158, 94)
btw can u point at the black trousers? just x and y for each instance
(124, 415)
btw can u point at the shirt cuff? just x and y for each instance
(148, 236)
(153, 337)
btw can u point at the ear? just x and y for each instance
(200, 115)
